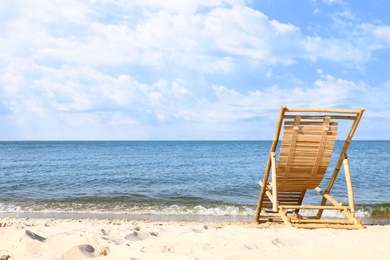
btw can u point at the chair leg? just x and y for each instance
(274, 183)
(260, 201)
(284, 217)
(348, 181)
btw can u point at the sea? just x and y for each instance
(168, 180)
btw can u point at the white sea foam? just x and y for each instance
(199, 210)
(221, 210)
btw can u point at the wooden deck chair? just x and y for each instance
(305, 152)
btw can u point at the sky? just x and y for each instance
(188, 70)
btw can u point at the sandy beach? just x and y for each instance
(24, 238)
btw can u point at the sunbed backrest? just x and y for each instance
(305, 152)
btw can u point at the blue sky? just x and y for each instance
(188, 70)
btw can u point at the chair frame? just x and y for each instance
(269, 189)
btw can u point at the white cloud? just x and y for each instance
(381, 32)
(328, 91)
(333, 49)
(330, 2)
(158, 38)
(60, 107)
(151, 65)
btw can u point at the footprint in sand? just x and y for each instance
(35, 236)
(136, 236)
(79, 252)
(84, 251)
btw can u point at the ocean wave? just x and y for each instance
(376, 210)
(221, 210)
(362, 211)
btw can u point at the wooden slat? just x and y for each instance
(305, 154)
(292, 198)
(288, 202)
(307, 145)
(298, 185)
(330, 221)
(309, 138)
(316, 131)
(299, 173)
(333, 226)
(302, 150)
(293, 140)
(308, 133)
(315, 207)
(297, 182)
(304, 161)
(301, 164)
(310, 122)
(319, 157)
(288, 198)
(322, 110)
(319, 117)
(266, 215)
(301, 177)
(289, 194)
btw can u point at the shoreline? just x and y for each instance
(371, 220)
(54, 238)
(126, 216)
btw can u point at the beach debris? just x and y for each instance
(206, 227)
(155, 234)
(104, 232)
(137, 228)
(104, 251)
(35, 236)
(5, 257)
